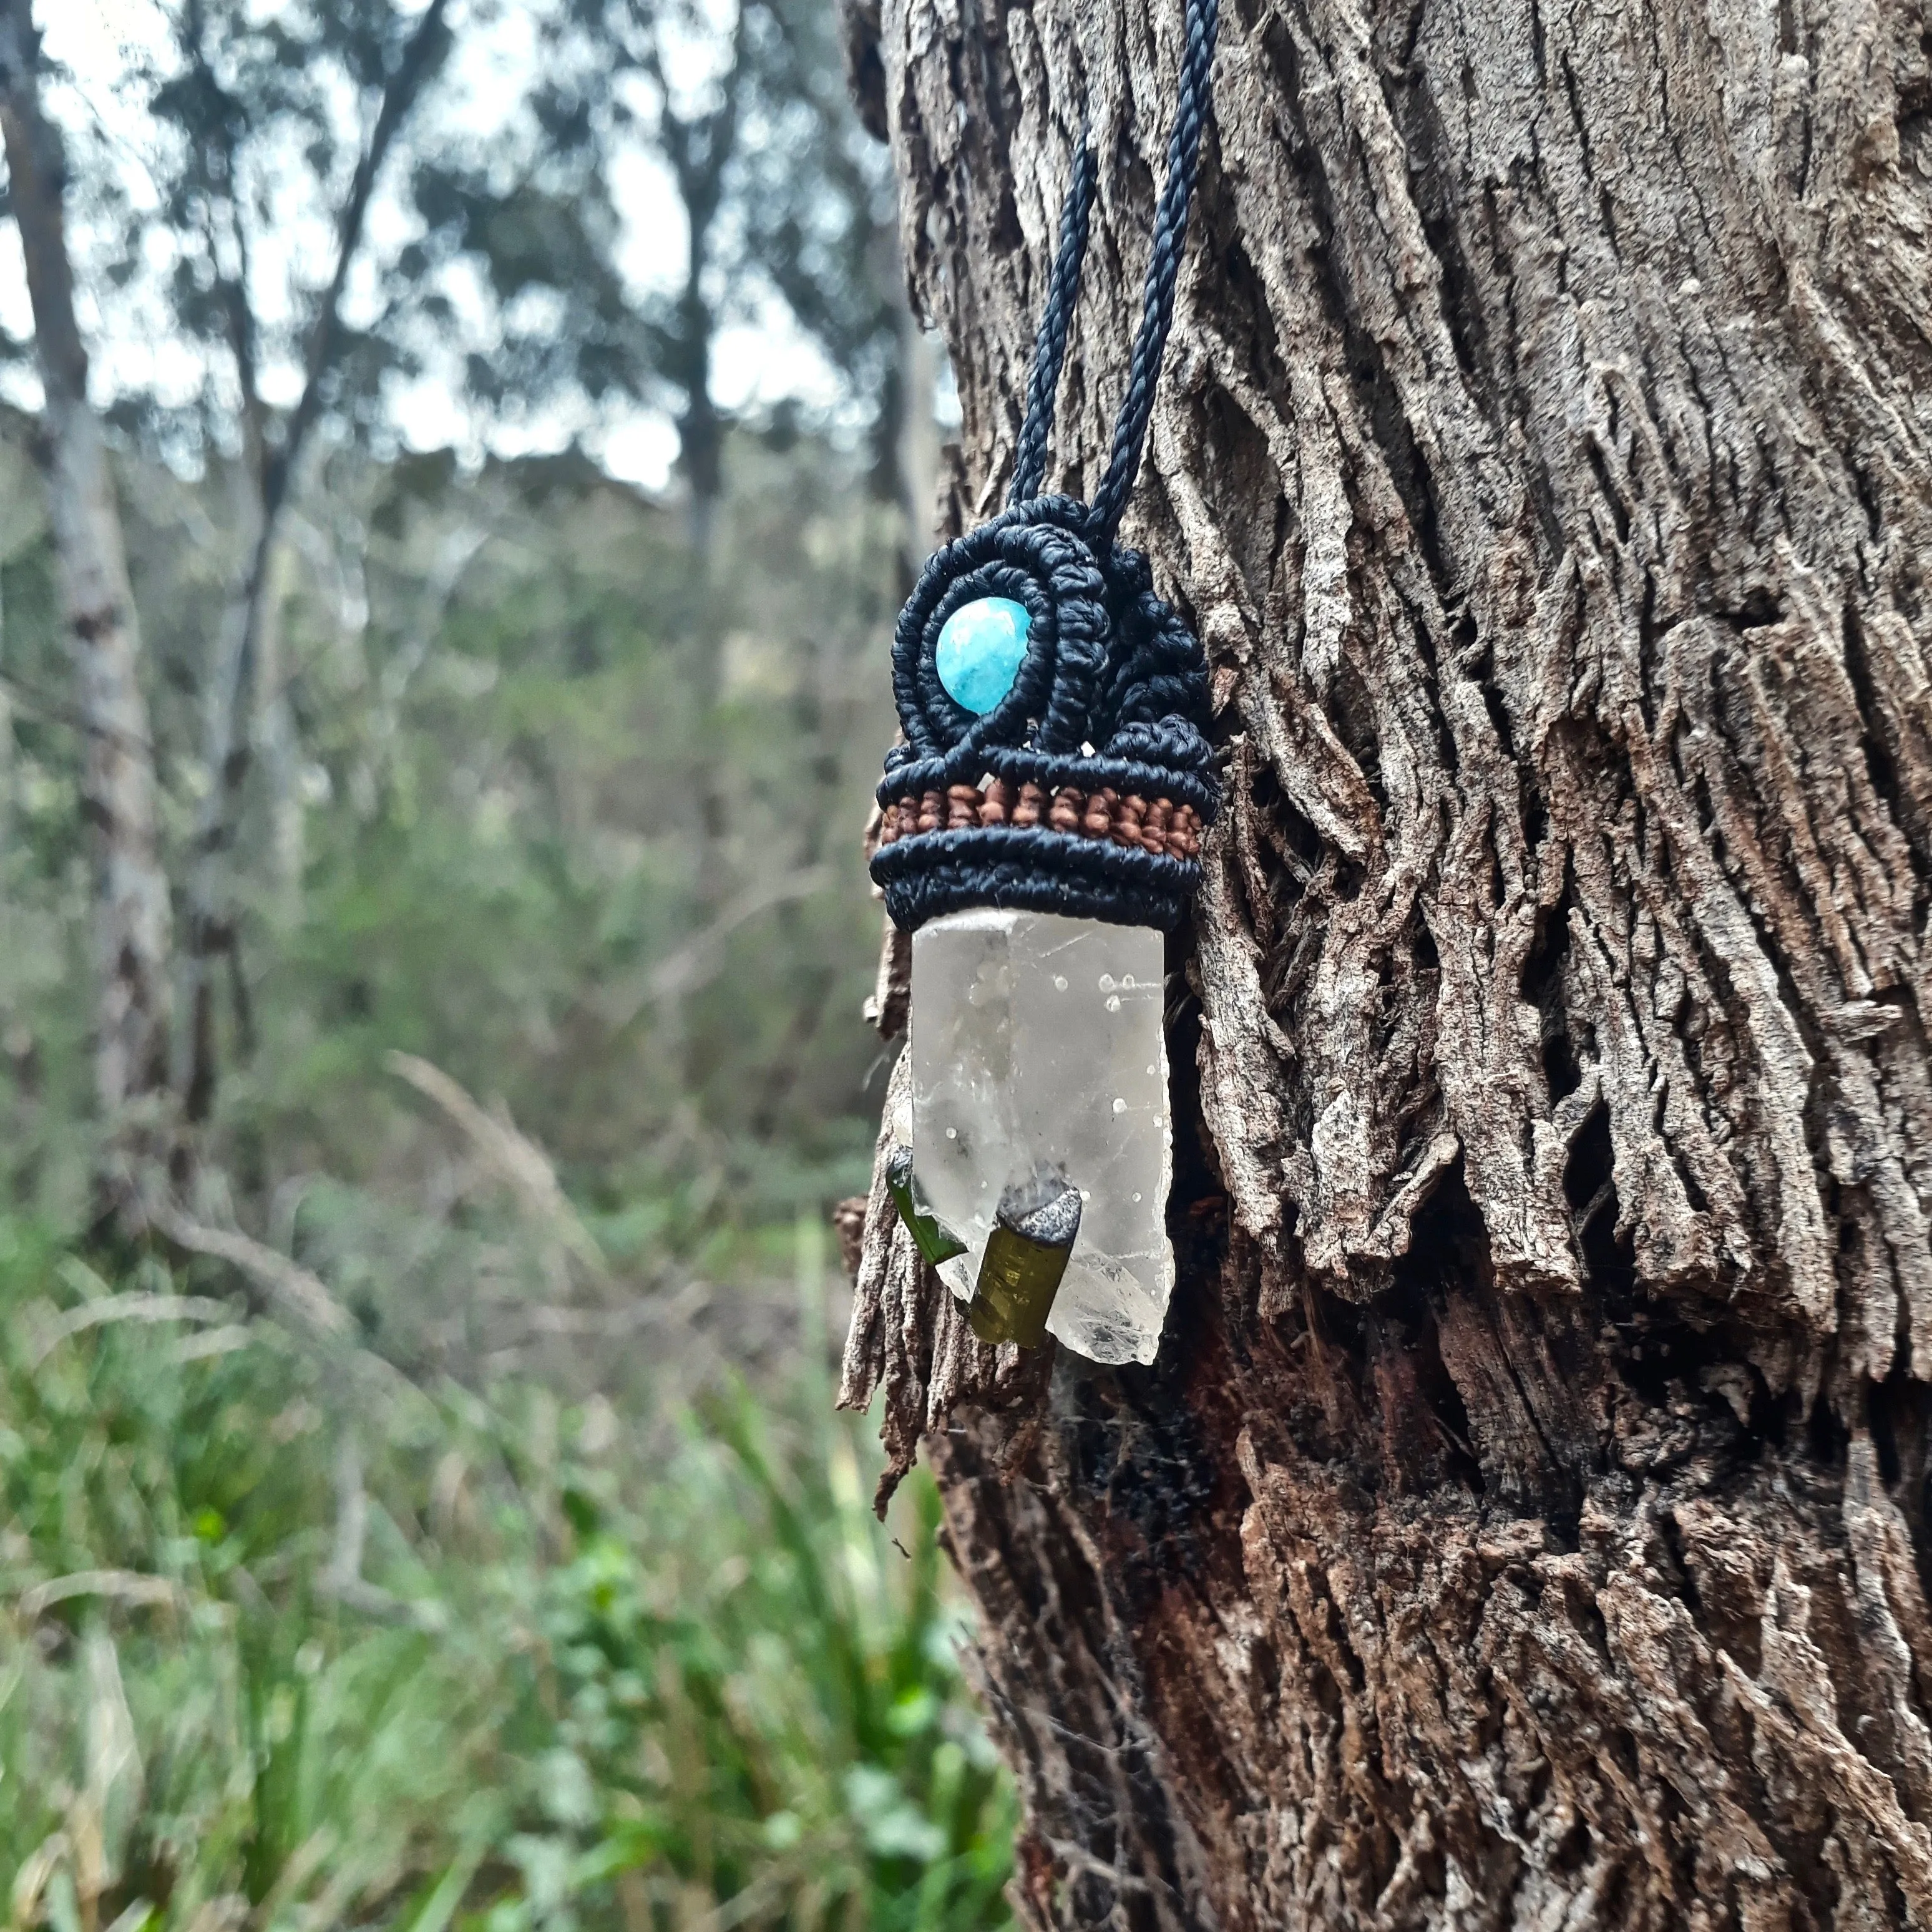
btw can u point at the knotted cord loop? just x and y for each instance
(1170, 233)
(1049, 348)
(1063, 291)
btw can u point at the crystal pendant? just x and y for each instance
(1039, 1066)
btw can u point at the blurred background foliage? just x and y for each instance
(296, 1640)
(432, 1513)
(518, 700)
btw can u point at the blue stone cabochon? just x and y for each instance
(981, 648)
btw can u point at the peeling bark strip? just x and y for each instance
(1525, 1524)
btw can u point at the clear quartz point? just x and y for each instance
(1038, 1055)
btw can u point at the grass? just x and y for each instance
(287, 1640)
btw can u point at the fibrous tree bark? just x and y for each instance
(1525, 1524)
(131, 915)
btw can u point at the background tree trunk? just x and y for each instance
(1526, 1523)
(273, 451)
(131, 913)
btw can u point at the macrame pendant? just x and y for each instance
(1043, 820)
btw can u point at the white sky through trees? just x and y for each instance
(110, 50)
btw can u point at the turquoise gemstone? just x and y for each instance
(981, 647)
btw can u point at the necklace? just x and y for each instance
(1042, 819)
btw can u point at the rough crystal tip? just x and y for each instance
(1044, 1209)
(1037, 1050)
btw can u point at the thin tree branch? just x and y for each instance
(683, 970)
(228, 738)
(289, 1285)
(512, 1157)
(425, 48)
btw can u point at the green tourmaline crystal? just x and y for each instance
(1026, 1256)
(935, 1243)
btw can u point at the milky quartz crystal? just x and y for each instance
(1037, 1051)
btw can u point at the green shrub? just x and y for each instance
(289, 1641)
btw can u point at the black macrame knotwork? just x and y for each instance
(1112, 693)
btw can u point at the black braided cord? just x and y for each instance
(1056, 319)
(1112, 691)
(1170, 233)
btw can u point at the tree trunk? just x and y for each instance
(272, 467)
(131, 919)
(1525, 1524)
